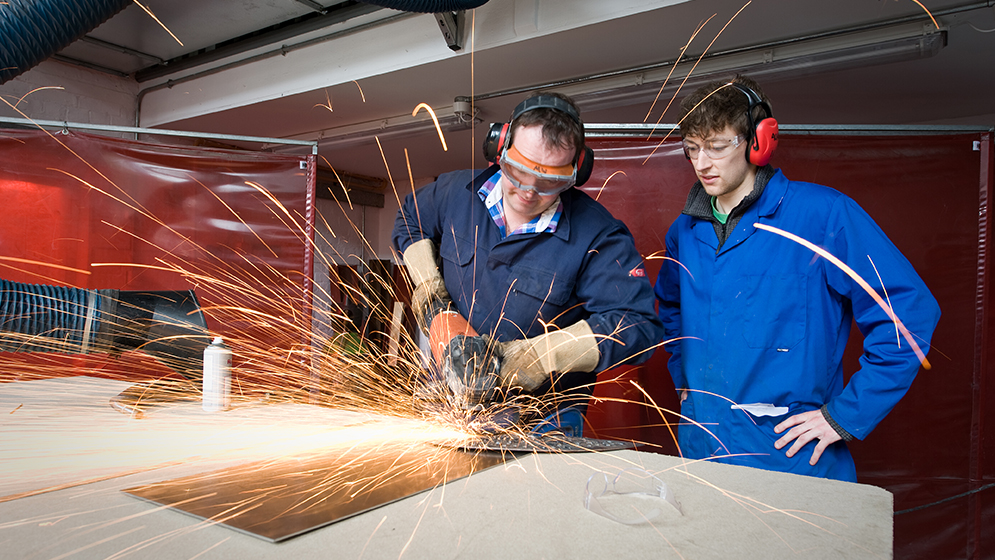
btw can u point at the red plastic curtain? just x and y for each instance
(94, 212)
(929, 193)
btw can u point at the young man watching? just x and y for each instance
(756, 323)
(533, 264)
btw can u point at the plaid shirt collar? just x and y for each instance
(491, 195)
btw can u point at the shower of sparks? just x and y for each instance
(856, 278)
(161, 24)
(434, 120)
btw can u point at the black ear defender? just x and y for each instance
(498, 136)
(763, 133)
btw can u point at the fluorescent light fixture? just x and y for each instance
(792, 57)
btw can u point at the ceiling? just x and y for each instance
(613, 64)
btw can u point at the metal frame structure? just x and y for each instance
(64, 125)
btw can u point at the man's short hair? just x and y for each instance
(716, 105)
(558, 128)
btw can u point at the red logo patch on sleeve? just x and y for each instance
(638, 272)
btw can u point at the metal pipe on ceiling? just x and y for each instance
(307, 24)
(283, 50)
(429, 6)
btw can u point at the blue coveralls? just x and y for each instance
(765, 320)
(523, 285)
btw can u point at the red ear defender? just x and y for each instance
(764, 133)
(495, 140)
(764, 142)
(585, 164)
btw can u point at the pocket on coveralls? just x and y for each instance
(456, 249)
(542, 285)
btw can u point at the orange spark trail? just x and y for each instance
(723, 86)
(690, 72)
(40, 263)
(339, 179)
(149, 12)
(856, 278)
(434, 120)
(361, 94)
(34, 90)
(928, 13)
(671, 73)
(605, 184)
(325, 105)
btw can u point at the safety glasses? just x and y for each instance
(545, 180)
(717, 148)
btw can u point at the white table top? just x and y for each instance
(56, 434)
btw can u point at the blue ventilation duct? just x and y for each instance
(167, 325)
(428, 6)
(33, 30)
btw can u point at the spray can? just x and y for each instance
(217, 376)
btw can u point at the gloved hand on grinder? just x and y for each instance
(429, 297)
(474, 366)
(527, 363)
(467, 361)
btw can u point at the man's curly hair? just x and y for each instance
(716, 105)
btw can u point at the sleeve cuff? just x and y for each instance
(839, 429)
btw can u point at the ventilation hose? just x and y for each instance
(428, 6)
(33, 30)
(38, 318)
(167, 325)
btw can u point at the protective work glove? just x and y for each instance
(429, 297)
(527, 363)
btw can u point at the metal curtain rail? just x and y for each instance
(609, 129)
(158, 131)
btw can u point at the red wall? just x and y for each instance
(94, 212)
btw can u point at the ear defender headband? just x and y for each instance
(763, 134)
(499, 136)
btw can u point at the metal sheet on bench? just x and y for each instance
(280, 499)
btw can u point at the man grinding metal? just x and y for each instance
(546, 283)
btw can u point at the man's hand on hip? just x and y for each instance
(807, 426)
